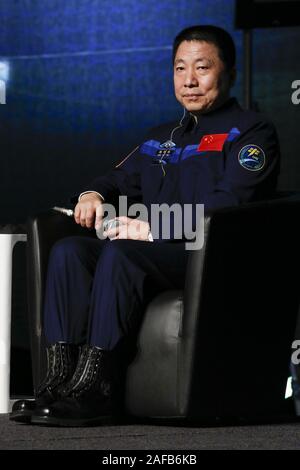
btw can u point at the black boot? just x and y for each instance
(91, 397)
(61, 363)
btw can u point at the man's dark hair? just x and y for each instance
(208, 33)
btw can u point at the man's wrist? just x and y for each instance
(90, 192)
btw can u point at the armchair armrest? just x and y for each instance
(240, 306)
(44, 230)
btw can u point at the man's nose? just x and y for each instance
(190, 79)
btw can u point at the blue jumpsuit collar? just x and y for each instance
(190, 124)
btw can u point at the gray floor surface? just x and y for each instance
(15, 436)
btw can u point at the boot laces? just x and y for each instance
(65, 389)
(58, 364)
(90, 376)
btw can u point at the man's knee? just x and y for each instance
(116, 250)
(66, 249)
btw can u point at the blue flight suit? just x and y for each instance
(97, 290)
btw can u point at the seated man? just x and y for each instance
(97, 289)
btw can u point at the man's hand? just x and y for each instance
(130, 229)
(89, 211)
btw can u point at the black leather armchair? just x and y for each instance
(221, 348)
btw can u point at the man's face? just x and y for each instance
(201, 81)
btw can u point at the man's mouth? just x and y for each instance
(191, 95)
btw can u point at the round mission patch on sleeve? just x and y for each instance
(252, 157)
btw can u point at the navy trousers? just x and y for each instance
(97, 290)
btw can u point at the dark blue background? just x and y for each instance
(88, 77)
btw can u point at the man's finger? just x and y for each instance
(90, 214)
(124, 220)
(77, 214)
(99, 216)
(122, 233)
(112, 232)
(82, 217)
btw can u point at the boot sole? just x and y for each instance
(21, 417)
(63, 422)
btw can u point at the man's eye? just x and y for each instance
(202, 67)
(178, 69)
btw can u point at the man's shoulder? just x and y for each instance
(249, 118)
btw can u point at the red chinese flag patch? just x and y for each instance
(212, 142)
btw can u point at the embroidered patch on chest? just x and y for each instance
(212, 142)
